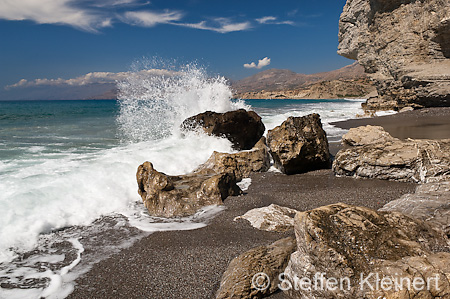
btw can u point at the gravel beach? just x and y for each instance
(190, 264)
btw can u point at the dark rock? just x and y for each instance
(170, 196)
(299, 145)
(243, 128)
(347, 242)
(241, 164)
(239, 280)
(371, 152)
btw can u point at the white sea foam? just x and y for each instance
(387, 112)
(48, 190)
(153, 107)
(139, 218)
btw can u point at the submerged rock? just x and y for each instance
(243, 128)
(273, 218)
(403, 46)
(430, 203)
(299, 145)
(243, 278)
(349, 243)
(241, 164)
(372, 153)
(171, 196)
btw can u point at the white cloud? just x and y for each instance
(222, 25)
(273, 21)
(113, 3)
(264, 20)
(53, 12)
(90, 78)
(261, 63)
(93, 15)
(150, 18)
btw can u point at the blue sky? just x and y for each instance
(51, 39)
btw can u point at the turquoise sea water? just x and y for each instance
(53, 127)
(56, 126)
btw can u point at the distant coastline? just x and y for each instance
(347, 82)
(335, 89)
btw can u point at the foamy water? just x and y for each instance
(62, 172)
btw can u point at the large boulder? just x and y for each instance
(241, 164)
(243, 128)
(299, 145)
(254, 274)
(430, 203)
(273, 218)
(171, 196)
(404, 46)
(370, 152)
(343, 250)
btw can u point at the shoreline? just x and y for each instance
(172, 264)
(426, 123)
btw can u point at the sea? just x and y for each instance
(68, 191)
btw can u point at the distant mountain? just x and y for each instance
(282, 80)
(273, 83)
(93, 91)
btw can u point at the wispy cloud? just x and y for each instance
(221, 25)
(53, 12)
(273, 21)
(90, 78)
(93, 15)
(116, 3)
(261, 63)
(150, 18)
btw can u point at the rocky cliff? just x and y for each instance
(404, 46)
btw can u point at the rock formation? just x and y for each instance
(339, 246)
(404, 46)
(299, 144)
(430, 203)
(243, 128)
(273, 218)
(171, 196)
(241, 164)
(371, 152)
(239, 280)
(335, 89)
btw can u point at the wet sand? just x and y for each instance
(189, 264)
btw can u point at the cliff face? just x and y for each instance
(404, 46)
